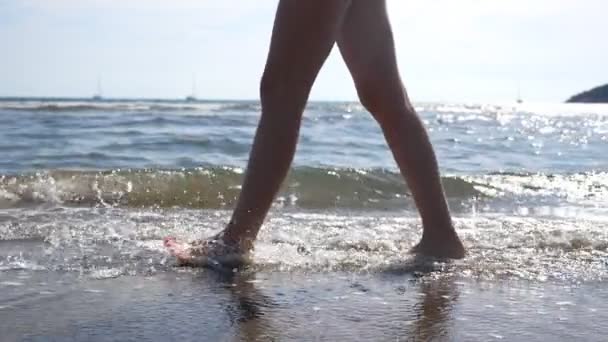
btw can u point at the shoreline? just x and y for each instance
(200, 304)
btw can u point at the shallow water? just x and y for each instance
(261, 306)
(111, 242)
(89, 189)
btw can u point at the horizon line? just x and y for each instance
(208, 100)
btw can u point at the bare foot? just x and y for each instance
(206, 253)
(446, 246)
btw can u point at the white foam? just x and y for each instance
(114, 242)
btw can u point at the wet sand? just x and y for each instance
(200, 305)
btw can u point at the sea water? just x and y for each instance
(88, 189)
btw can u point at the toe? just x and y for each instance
(169, 240)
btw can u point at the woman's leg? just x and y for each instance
(367, 46)
(303, 35)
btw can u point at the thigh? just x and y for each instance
(303, 35)
(367, 45)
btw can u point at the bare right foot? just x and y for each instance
(445, 246)
(206, 253)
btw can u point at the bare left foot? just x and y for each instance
(207, 253)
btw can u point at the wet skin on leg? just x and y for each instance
(367, 46)
(303, 35)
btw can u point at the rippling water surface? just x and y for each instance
(88, 190)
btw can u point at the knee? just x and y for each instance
(386, 100)
(372, 97)
(380, 95)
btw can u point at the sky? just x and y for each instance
(448, 50)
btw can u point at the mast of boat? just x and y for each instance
(98, 94)
(192, 96)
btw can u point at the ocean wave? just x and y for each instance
(212, 107)
(225, 107)
(109, 106)
(215, 187)
(240, 107)
(305, 187)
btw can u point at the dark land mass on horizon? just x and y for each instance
(595, 95)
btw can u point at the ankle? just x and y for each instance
(438, 228)
(240, 241)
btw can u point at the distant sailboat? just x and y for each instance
(192, 96)
(98, 94)
(519, 99)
